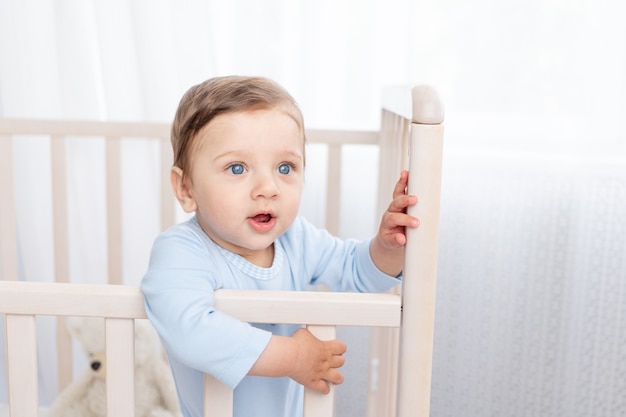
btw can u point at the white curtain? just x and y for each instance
(532, 294)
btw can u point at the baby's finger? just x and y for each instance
(396, 221)
(400, 188)
(400, 203)
(397, 240)
(337, 347)
(337, 361)
(320, 386)
(334, 377)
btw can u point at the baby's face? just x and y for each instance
(247, 174)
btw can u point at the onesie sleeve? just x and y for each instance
(179, 290)
(342, 265)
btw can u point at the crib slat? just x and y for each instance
(59, 208)
(61, 249)
(218, 398)
(114, 209)
(383, 386)
(120, 368)
(64, 354)
(8, 239)
(168, 203)
(22, 365)
(384, 341)
(317, 404)
(333, 189)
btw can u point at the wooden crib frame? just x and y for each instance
(411, 130)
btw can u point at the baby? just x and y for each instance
(239, 159)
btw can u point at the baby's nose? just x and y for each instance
(266, 187)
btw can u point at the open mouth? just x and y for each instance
(262, 218)
(262, 222)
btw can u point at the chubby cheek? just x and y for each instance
(212, 201)
(217, 223)
(221, 209)
(293, 205)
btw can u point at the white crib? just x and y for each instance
(411, 130)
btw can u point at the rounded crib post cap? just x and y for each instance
(427, 106)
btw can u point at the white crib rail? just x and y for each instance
(21, 302)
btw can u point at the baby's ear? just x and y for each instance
(181, 190)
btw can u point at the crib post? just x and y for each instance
(420, 270)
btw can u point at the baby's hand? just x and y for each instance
(391, 233)
(387, 247)
(317, 361)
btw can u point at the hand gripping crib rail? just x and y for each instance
(411, 130)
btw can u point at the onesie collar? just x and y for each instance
(255, 271)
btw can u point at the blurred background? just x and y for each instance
(531, 308)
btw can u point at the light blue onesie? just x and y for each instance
(186, 266)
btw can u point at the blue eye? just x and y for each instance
(236, 169)
(284, 169)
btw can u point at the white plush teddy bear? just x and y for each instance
(155, 394)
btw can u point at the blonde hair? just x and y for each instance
(215, 96)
